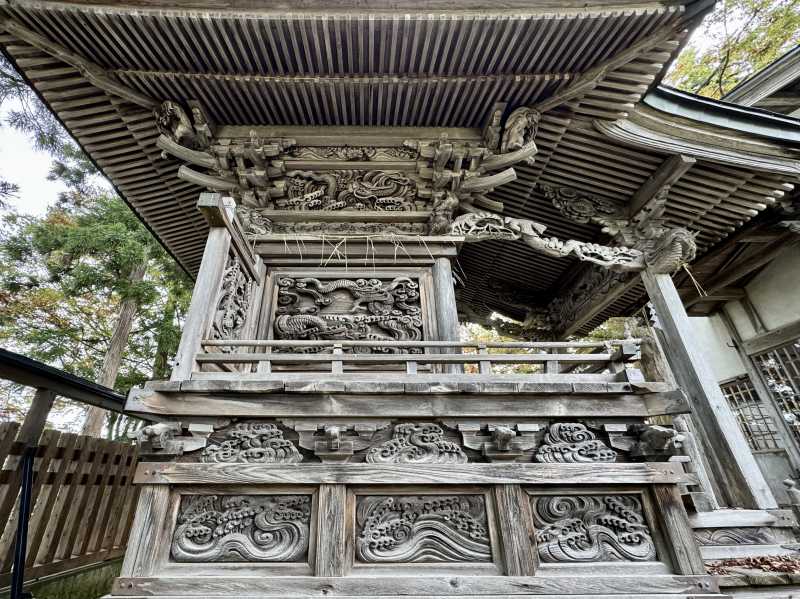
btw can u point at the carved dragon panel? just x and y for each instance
(422, 528)
(242, 528)
(349, 190)
(591, 528)
(356, 309)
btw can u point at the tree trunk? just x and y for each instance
(95, 417)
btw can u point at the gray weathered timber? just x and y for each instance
(773, 338)
(682, 545)
(334, 543)
(731, 460)
(428, 586)
(204, 296)
(185, 473)
(515, 522)
(151, 530)
(431, 404)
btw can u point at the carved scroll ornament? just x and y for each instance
(233, 304)
(252, 442)
(479, 226)
(581, 207)
(417, 444)
(426, 528)
(242, 528)
(573, 443)
(591, 528)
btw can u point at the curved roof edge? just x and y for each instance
(754, 121)
(775, 76)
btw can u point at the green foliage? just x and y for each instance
(738, 39)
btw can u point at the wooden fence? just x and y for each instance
(82, 506)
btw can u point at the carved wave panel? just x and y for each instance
(417, 443)
(591, 528)
(422, 528)
(242, 528)
(572, 442)
(254, 443)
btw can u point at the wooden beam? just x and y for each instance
(731, 460)
(774, 338)
(731, 276)
(721, 295)
(670, 171)
(589, 79)
(93, 73)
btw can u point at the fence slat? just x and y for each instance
(41, 516)
(121, 499)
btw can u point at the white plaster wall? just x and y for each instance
(714, 339)
(775, 292)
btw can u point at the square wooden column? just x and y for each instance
(732, 463)
(446, 311)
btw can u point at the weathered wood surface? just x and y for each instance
(81, 502)
(423, 401)
(541, 587)
(681, 543)
(732, 462)
(517, 540)
(185, 473)
(333, 541)
(149, 531)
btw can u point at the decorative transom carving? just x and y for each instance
(349, 190)
(252, 442)
(591, 528)
(357, 309)
(571, 443)
(424, 528)
(242, 528)
(581, 207)
(417, 444)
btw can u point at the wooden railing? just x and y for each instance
(82, 501)
(597, 361)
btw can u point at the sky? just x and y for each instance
(20, 163)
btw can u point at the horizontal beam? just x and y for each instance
(774, 338)
(32, 373)
(185, 473)
(286, 358)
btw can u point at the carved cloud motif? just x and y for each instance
(430, 528)
(417, 444)
(249, 528)
(591, 528)
(573, 443)
(253, 442)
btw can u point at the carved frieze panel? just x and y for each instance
(422, 528)
(591, 528)
(572, 442)
(233, 304)
(353, 153)
(349, 190)
(359, 309)
(251, 442)
(417, 443)
(242, 528)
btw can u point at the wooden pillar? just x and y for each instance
(446, 311)
(33, 424)
(732, 463)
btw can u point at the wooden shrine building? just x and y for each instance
(348, 180)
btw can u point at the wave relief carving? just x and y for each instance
(252, 442)
(417, 444)
(425, 528)
(236, 528)
(568, 442)
(591, 528)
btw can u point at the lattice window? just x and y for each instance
(781, 369)
(758, 427)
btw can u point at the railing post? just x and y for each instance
(485, 365)
(206, 290)
(28, 435)
(553, 366)
(336, 365)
